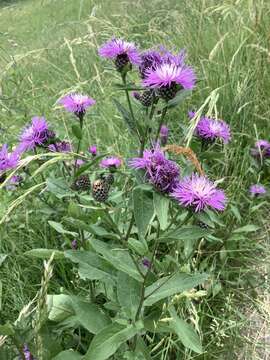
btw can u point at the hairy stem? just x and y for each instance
(78, 146)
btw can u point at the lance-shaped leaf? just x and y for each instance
(170, 285)
(108, 340)
(143, 209)
(118, 258)
(186, 334)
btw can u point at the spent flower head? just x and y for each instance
(198, 193)
(212, 129)
(159, 171)
(77, 103)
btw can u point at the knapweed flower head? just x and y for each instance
(8, 160)
(122, 52)
(257, 189)
(198, 193)
(34, 135)
(168, 79)
(212, 129)
(60, 146)
(78, 163)
(110, 162)
(150, 59)
(146, 262)
(93, 150)
(27, 353)
(164, 133)
(262, 148)
(159, 171)
(170, 58)
(77, 103)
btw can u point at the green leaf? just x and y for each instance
(128, 294)
(60, 229)
(108, 340)
(186, 334)
(90, 316)
(184, 233)
(170, 285)
(68, 355)
(161, 205)
(45, 253)
(118, 258)
(7, 330)
(60, 307)
(86, 166)
(143, 209)
(246, 229)
(2, 258)
(77, 131)
(180, 97)
(126, 116)
(59, 188)
(91, 266)
(139, 247)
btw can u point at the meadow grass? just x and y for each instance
(49, 47)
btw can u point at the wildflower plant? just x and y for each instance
(128, 226)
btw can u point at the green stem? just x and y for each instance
(78, 146)
(128, 98)
(164, 111)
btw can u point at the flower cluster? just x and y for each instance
(159, 171)
(36, 134)
(209, 129)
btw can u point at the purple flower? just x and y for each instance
(77, 103)
(34, 135)
(212, 129)
(61, 146)
(146, 262)
(121, 51)
(159, 171)
(164, 133)
(27, 353)
(74, 244)
(257, 189)
(110, 162)
(93, 150)
(150, 59)
(167, 74)
(14, 182)
(170, 58)
(78, 163)
(8, 160)
(199, 193)
(262, 148)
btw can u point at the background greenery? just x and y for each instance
(49, 47)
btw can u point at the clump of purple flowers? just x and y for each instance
(262, 149)
(198, 193)
(27, 353)
(77, 103)
(257, 189)
(8, 160)
(159, 171)
(209, 129)
(34, 135)
(60, 146)
(122, 52)
(110, 162)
